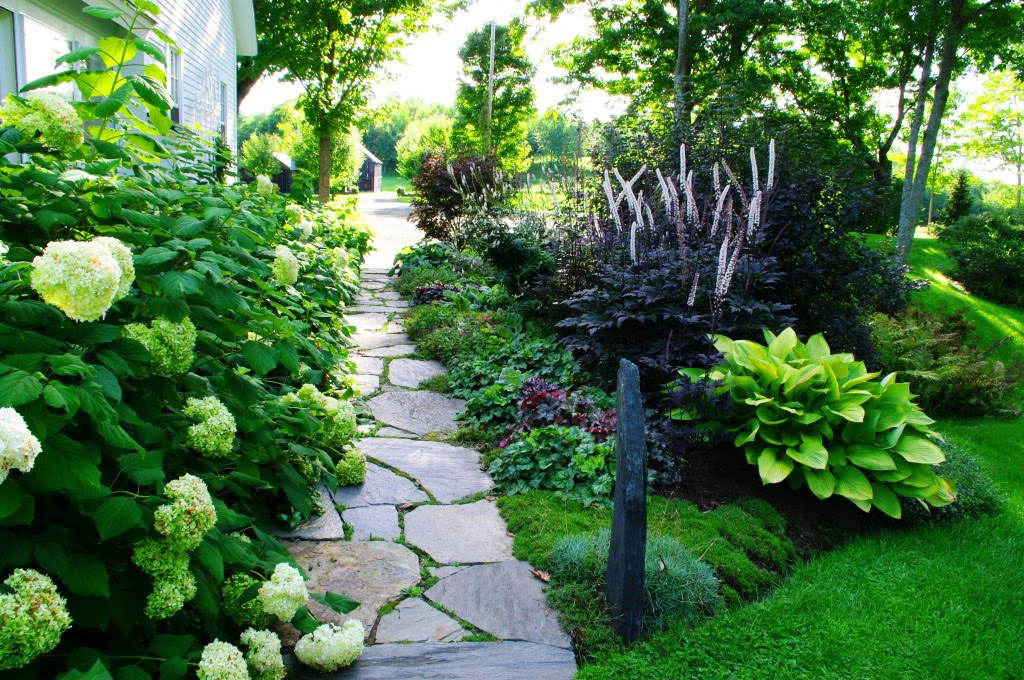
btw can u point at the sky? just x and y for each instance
(431, 65)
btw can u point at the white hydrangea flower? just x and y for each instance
(264, 655)
(33, 616)
(189, 515)
(286, 266)
(222, 661)
(48, 116)
(123, 257)
(214, 434)
(264, 186)
(306, 227)
(170, 345)
(3, 251)
(81, 278)
(284, 593)
(294, 213)
(331, 646)
(18, 446)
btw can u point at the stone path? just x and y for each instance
(418, 543)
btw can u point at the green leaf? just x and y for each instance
(114, 102)
(919, 450)
(50, 80)
(65, 465)
(81, 54)
(86, 575)
(102, 12)
(339, 603)
(51, 557)
(176, 284)
(848, 410)
(209, 556)
(145, 468)
(59, 395)
(11, 498)
(851, 483)
(171, 645)
(811, 452)
(96, 672)
(19, 387)
(869, 457)
(821, 482)
(772, 468)
(261, 358)
(69, 364)
(304, 621)
(116, 516)
(155, 255)
(885, 500)
(172, 669)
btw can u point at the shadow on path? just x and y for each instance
(389, 218)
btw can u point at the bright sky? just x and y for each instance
(431, 65)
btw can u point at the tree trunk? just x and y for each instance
(324, 183)
(680, 112)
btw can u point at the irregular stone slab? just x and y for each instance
(395, 432)
(373, 521)
(445, 572)
(462, 661)
(326, 526)
(374, 340)
(464, 534)
(504, 599)
(411, 372)
(369, 309)
(396, 326)
(371, 572)
(374, 285)
(367, 383)
(447, 472)
(367, 365)
(391, 351)
(381, 487)
(420, 412)
(366, 322)
(390, 295)
(416, 621)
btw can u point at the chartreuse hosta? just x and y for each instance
(803, 414)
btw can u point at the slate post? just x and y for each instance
(625, 582)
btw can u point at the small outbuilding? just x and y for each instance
(371, 172)
(285, 174)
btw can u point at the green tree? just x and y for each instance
(959, 203)
(258, 154)
(995, 124)
(422, 137)
(554, 134)
(385, 124)
(513, 96)
(346, 156)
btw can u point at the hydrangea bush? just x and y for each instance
(146, 454)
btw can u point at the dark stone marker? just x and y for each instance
(625, 587)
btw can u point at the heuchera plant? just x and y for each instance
(810, 417)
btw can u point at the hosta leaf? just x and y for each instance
(817, 347)
(821, 482)
(811, 452)
(772, 467)
(851, 483)
(847, 410)
(783, 344)
(885, 500)
(919, 450)
(869, 457)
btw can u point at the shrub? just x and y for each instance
(542, 403)
(976, 493)
(515, 244)
(532, 355)
(947, 370)
(447, 192)
(679, 589)
(434, 292)
(989, 255)
(557, 458)
(804, 414)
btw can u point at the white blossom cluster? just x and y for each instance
(264, 186)
(264, 654)
(339, 418)
(3, 251)
(214, 434)
(331, 646)
(47, 118)
(222, 661)
(170, 344)
(306, 227)
(173, 583)
(33, 616)
(83, 278)
(286, 266)
(284, 593)
(18, 446)
(189, 515)
(294, 213)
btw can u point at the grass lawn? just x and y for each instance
(936, 602)
(391, 182)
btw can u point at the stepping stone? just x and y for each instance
(381, 487)
(460, 534)
(374, 270)
(365, 341)
(390, 295)
(411, 372)
(374, 285)
(462, 661)
(396, 326)
(420, 412)
(367, 383)
(371, 572)
(504, 599)
(369, 309)
(416, 621)
(390, 350)
(326, 526)
(373, 521)
(445, 572)
(366, 322)
(367, 365)
(447, 472)
(395, 432)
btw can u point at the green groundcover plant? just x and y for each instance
(154, 324)
(805, 415)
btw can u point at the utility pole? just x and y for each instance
(490, 94)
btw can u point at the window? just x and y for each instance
(42, 47)
(8, 63)
(174, 82)
(224, 111)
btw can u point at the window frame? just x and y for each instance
(174, 59)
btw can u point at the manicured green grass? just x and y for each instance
(391, 182)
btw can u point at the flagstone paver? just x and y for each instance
(407, 497)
